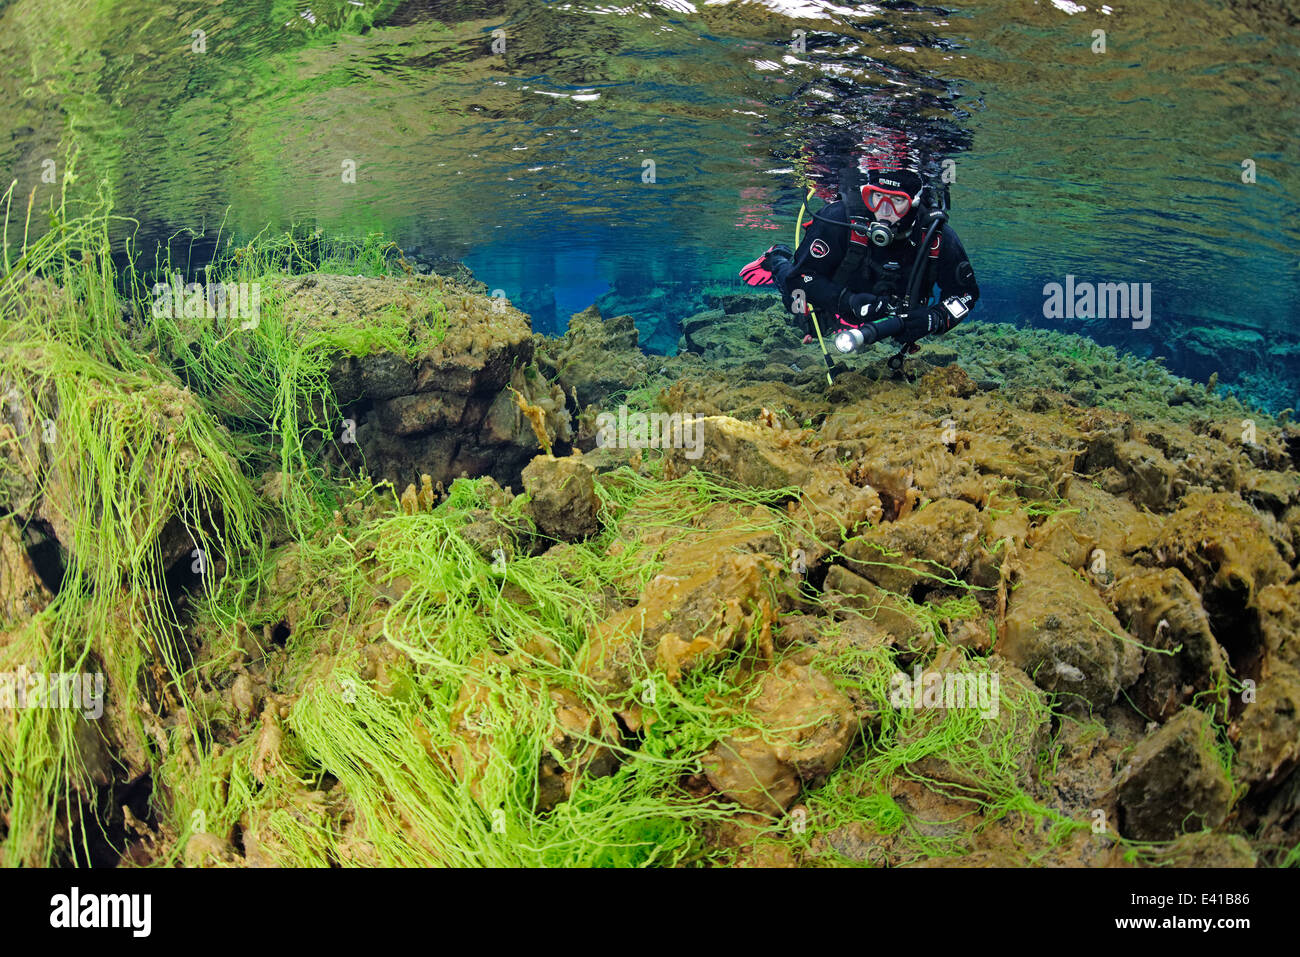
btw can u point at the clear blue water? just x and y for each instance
(527, 164)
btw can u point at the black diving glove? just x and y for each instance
(934, 321)
(777, 253)
(861, 307)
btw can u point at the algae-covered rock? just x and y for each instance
(596, 357)
(1148, 476)
(1279, 621)
(1174, 783)
(935, 543)
(1037, 466)
(1094, 532)
(1268, 731)
(1008, 713)
(437, 377)
(1206, 849)
(1062, 634)
(803, 727)
(1220, 543)
(562, 497)
(745, 453)
(1164, 611)
(682, 622)
(850, 595)
(577, 742)
(22, 593)
(1277, 825)
(831, 507)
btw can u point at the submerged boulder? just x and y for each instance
(682, 622)
(1182, 656)
(596, 357)
(1175, 782)
(1207, 849)
(562, 497)
(1221, 544)
(1062, 634)
(1008, 722)
(1268, 731)
(851, 596)
(802, 726)
(754, 455)
(446, 386)
(931, 544)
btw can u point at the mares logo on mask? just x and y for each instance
(819, 249)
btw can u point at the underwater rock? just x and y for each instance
(939, 541)
(737, 303)
(22, 593)
(948, 379)
(1268, 491)
(449, 401)
(748, 454)
(208, 850)
(1277, 823)
(426, 412)
(832, 508)
(682, 621)
(1062, 634)
(1279, 622)
(803, 726)
(943, 471)
(847, 595)
(1082, 774)
(1220, 543)
(577, 742)
(562, 497)
(493, 536)
(1096, 532)
(596, 357)
(1174, 782)
(748, 332)
(1206, 849)
(529, 405)
(1037, 467)
(1164, 611)
(1268, 731)
(46, 464)
(1016, 718)
(1146, 474)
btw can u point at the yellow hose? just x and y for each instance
(798, 226)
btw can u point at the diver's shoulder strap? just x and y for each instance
(850, 267)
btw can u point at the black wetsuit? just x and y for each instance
(884, 271)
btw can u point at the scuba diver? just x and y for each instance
(869, 262)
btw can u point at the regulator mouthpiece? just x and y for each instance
(882, 234)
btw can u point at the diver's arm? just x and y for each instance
(812, 274)
(956, 276)
(958, 292)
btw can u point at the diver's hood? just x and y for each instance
(852, 180)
